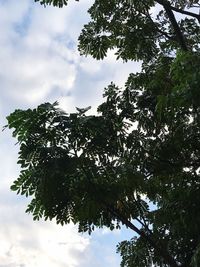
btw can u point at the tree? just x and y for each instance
(142, 148)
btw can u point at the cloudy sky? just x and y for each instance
(39, 62)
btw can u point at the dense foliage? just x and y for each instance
(137, 162)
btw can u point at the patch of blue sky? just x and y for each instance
(22, 26)
(3, 2)
(104, 245)
(68, 43)
(64, 38)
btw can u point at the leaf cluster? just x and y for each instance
(57, 3)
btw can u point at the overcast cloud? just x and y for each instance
(39, 62)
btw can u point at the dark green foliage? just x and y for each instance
(93, 170)
(56, 3)
(140, 151)
(128, 26)
(113, 25)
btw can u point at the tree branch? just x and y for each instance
(188, 13)
(163, 253)
(159, 30)
(178, 33)
(148, 237)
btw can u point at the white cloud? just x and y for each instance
(41, 244)
(37, 61)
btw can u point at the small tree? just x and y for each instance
(141, 149)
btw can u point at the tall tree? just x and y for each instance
(137, 162)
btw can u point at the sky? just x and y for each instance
(39, 62)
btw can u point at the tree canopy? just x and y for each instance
(136, 163)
